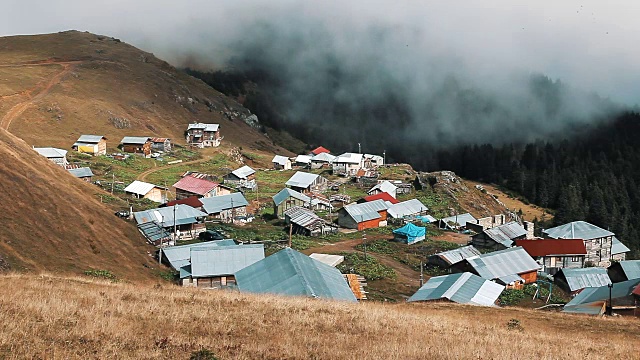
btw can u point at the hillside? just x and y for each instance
(52, 221)
(72, 318)
(56, 87)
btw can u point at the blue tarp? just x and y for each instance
(412, 232)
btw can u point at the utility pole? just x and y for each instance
(421, 275)
(290, 232)
(384, 157)
(359, 151)
(175, 234)
(113, 180)
(610, 307)
(233, 213)
(364, 243)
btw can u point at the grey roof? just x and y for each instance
(385, 186)
(81, 172)
(185, 214)
(504, 234)
(586, 277)
(591, 300)
(509, 279)
(139, 188)
(349, 158)
(577, 230)
(631, 268)
(243, 172)
(302, 216)
(301, 179)
(323, 157)
(51, 153)
(462, 219)
(216, 204)
(285, 193)
(153, 231)
(456, 255)
(281, 160)
(366, 211)
(497, 264)
(331, 260)
(223, 260)
(205, 127)
(289, 272)
(617, 247)
(462, 288)
(405, 208)
(139, 140)
(304, 159)
(179, 256)
(90, 139)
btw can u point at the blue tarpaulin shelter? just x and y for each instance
(410, 233)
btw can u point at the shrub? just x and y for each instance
(370, 268)
(511, 297)
(203, 354)
(101, 274)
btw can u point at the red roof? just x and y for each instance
(381, 196)
(636, 291)
(319, 150)
(191, 201)
(195, 185)
(544, 247)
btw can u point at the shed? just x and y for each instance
(225, 207)
(83, 173)
(305, 222)
(363, 216)
(281, 162)
(593, 300)
(292, 273)
(243, 177)
(57, 156)
(456, 222)
(384, 186)
(191, 186)
(91, 144)
(624, 270)
(144, 190)
(408, 208)
(410, 234)
(499, 237)
(574, 280)
(618, 250)
(160, 144)
(448, 258)
(139, 145)
(302, 160)
(462, 288)
(306, 182)
(502, 265)
(288, 198)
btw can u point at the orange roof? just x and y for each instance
(544, 247)
(319, 150)
(381, 196)
(191, 201)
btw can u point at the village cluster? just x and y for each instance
(584, 260)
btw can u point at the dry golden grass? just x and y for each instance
(76, 318)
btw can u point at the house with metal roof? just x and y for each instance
(57, 156)
(139, 145)
(462, 288)
(320, 150)
(305, 182)
(618, 250)
(144, 190)
(594, 300)
(347, 164)
(191, 186)
(187, 221)
(180, 255)
(91, 144)
(574, 280)
(215, 267)
(363, 216)
(160, 144)
(83, 173)
(225, 207)
(597, 240)
(281, 162)
(509, 266)
(204, 135)
(305, 222)
(371, 161)
(408, 208)
(380, 196)
(292, 273)
(555, 254)
(499, 237)
(448, 258)
(303, 161)
(624, 270)
(410, 234)
(289, 198)
(331, 260)
(384, 186)
(243, 177)
(456, 222)
(322, 160)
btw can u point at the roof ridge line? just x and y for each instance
(296, 265)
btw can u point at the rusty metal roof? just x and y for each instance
(195, 185)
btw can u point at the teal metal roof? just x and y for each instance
(184, 214)
(289, 272)
(499, 264)
(617, 247)
(179, 256)
(586, 277)
(216, 204)
(463, 288)
(366, 211)
(592, 299)
(504, 234)
(456, 255)
(223, 260)
(631, 269)
(577, 230)
(286, 193)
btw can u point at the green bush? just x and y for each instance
(379, 246)
(511, 297)
(203, 354)
(370, 268)
(101, 274)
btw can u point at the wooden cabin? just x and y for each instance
(138, 145)
(91, 144)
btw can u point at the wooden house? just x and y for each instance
(363, 216)
(597, 241)
(160, 144)
(624, 270)
(305, 222)
(203, 135)
(499, 237)
(143, 190)
(225, 207)
(288, 198)
(82, 173)
(281, 162)
(512, 267)
(55, 155)
(306, 182)
(139, 145)
(379, 196)
(192, 186)
(244, 177)
(91, 144)
(554, 254)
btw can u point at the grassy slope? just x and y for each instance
(78, 318)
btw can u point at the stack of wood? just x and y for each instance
(357, 283)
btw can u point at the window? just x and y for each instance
(575, 259)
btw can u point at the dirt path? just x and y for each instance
(35, 94)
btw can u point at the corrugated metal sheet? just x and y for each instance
(320, 150)
(456, 255)
(406, 208)
(631, 268)
(617, 247)
(384, 186)
(546, 247)
(591, 298)
(302, 179)
(303, 159)
(216, 204)
(153, 231)
(138, 140)
(462, 288)
(280, 160)
(331, 260)
(164, 216)
(159, 140)
(285, 193)
(577, 230)
(205, 127)
(90, 139)
(195, 185)
(366, 211)
(223, 260)
(587, 277)
(289, 272)
(243, 172)
(139, 188)
(460, 219)
(348, 158)
(323, 157)
(504, 262)
(81, 172)
(51, 153)
(179, 256)
(302, 217)
(504, 234)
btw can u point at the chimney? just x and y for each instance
(528, 226)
